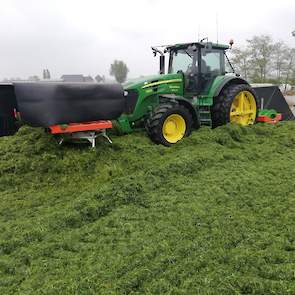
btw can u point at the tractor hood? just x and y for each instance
(145, 81)
(137, 82)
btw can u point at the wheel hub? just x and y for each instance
(170, 127)
(174, 128)
(243, 109)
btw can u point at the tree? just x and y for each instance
(263, 60)
(46, 74)
(119, 70)
(261, 51)
(242, 61)
(292, 77)
(281, 53)
(289, 69)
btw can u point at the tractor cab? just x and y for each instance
(200, 63)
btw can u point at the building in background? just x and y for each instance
(77, 78)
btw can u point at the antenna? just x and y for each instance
(216, 27)
(199, 33)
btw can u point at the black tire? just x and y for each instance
(154, 124)
(220, 111)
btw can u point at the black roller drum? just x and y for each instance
(49, 103)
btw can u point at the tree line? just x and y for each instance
(118, 69)
(263, 60)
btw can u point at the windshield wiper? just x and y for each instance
(230, 63)
(188, 54)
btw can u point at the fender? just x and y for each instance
(228, 80)
(186, 103)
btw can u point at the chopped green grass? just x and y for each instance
(214, 214)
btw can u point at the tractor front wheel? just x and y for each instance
(236, 104)
(169, 123)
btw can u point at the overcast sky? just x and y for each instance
(84, 37)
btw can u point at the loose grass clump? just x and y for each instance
(214, 214)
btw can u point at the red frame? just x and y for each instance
(266, 119)
(77, 127)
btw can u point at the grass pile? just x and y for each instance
(214, 214)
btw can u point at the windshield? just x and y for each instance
(181, 60)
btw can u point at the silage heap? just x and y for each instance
(213, 214)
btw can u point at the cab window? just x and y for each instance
(211, 62)
(181, 60)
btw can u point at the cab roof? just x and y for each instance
(199, 45)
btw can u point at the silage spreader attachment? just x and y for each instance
(70, 111)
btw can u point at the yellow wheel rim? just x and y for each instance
(174, 128)
(243, 109)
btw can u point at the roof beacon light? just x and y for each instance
(231, 43)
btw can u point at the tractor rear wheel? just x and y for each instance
(236, 104)
(169, 123)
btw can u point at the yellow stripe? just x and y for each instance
(161, 82)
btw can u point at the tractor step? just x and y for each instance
(205, 115)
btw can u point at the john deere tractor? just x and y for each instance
(200, 88)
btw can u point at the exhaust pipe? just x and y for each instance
(162, 59)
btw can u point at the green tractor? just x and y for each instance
(200, 88)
